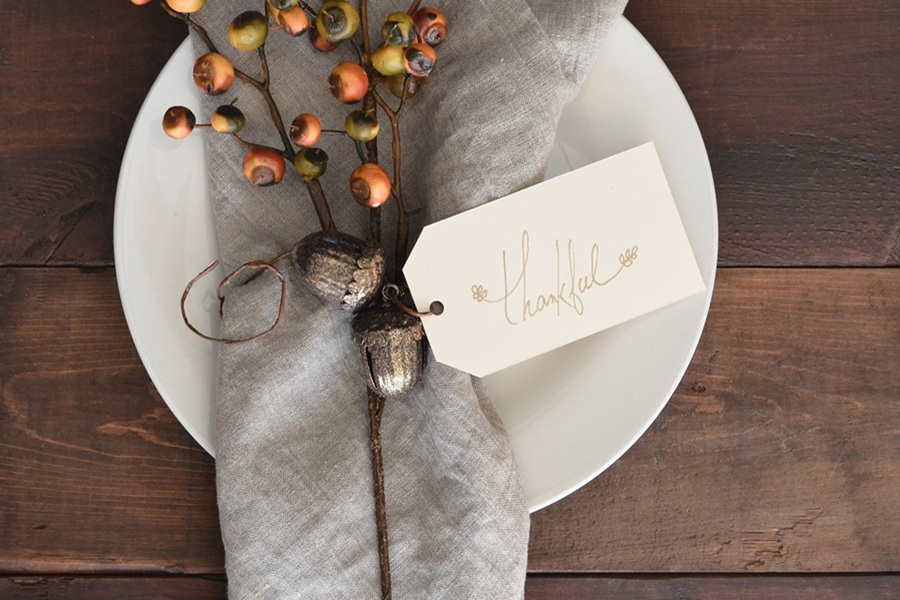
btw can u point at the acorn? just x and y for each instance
(339, 268)
(282, 4)
(431, 25)
(391, 349)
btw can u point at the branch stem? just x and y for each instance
(402, 241)
(376, 408)
(317, 195)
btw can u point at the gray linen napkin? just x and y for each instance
(293, 470)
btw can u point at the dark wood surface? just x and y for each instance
(773, 472)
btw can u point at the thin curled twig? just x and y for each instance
(253, 264)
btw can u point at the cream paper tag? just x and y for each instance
(552, 263)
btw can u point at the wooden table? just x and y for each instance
(773, 472)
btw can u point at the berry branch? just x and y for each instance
(335, 266)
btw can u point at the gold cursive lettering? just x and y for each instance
(571, 285)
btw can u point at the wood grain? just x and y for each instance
(96, 474)
(713, 588)
(882, 587)
(780, 451)
(796, 102)
(73, 77)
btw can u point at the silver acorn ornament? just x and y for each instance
(340, 268)
(391, 348)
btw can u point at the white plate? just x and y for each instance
(571, 413)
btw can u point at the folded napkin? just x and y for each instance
(293, 466)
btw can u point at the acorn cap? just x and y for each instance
(340, 268)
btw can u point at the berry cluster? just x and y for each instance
(406, 56)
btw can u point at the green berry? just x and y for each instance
(399, 29)
(388, 60)
(311, 162)
(361, 125)
(227, 119)
(337, 20)
(248, 30)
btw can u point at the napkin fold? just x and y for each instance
(293, 467)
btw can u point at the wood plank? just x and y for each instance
(797, 104)
(96, 474)
(795, 101)
(538, 587)
(882, 587)
(779, 452)
(112, 588)
(73, 78)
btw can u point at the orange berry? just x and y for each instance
(178, 122)
(348, 82)
(431, 25)
(263, 166)
(213, 73)
(186, 6)
(305, 130)
(370, 185)
(419, 59)
(294, 20)
(320, 43)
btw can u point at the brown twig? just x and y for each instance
(254, 264)
(376, 408)
(369, 105)
(414, 7)
(402, 240)
(317, 195)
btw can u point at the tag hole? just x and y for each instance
(437, 307)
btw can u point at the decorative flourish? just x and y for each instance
(628, 257)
